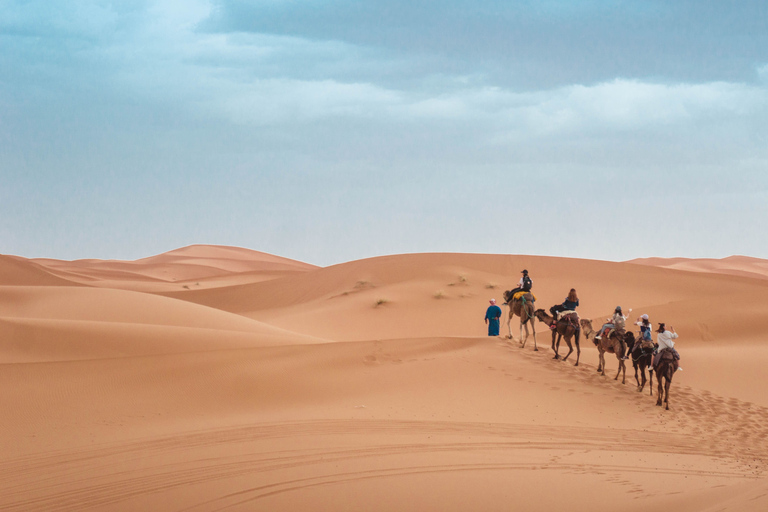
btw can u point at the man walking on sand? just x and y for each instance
(492, 316)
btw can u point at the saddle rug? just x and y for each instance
(645, 345)
(519, 295)
(567, 312)
(665, 355)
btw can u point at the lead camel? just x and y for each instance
(523, 307)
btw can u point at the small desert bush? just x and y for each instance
(491, 286)
(440, 294)
(381, 302)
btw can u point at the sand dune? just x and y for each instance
(180, 269)
(276, 385)
(446, 295)
(743, 266)
(15, 271)
(57, 323)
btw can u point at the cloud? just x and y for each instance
(530, 44)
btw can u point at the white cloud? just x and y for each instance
(632, 105)
(282, 101)
(263, 79)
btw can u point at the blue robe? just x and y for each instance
(492, 315)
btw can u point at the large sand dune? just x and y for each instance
(734, 265)
(213, 378)
(186, 268)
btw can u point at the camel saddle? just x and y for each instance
(606, 337)
(519, 295)
(570, 317)
(646, 344)
(665, 355)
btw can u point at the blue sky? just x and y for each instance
(334, 130)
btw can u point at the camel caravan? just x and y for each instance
(612, 338)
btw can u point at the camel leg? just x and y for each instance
(554, 335)
(533, 328)
(623, 367)
(578, 348)
(570, 348)
(666, 393)
(523, 340)
(637, 378)
(509, 322)
(556, 346)
(650, 379)
(602, 364)
(660, 390)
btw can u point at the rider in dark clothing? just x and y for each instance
(570, 304)
(525, 284)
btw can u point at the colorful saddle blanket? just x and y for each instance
(519, 295)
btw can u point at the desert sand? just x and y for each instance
(220, 378)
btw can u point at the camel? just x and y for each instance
(664, 372)
(567, 327)
(524, 309)
(642, 356)
(615, 344)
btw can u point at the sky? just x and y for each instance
(334, 130)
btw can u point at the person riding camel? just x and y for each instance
(617, 323)
(570, 304)
(645, 328)
(664, 339)
(524, 285)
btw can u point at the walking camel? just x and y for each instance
(524, 308)
(567, 328)
(614, 344)
(664, 372)
(642, 357)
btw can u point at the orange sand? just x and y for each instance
(213, 378)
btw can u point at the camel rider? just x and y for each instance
(617, 323)
(664, 339)
(524, 285)
(645, 328)
(570, 304)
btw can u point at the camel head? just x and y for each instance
(542, 316)
(586, 327)
(508, 296)
(629, 339)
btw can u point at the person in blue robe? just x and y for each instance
(492, 316)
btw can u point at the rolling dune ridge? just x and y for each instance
(219, 378)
